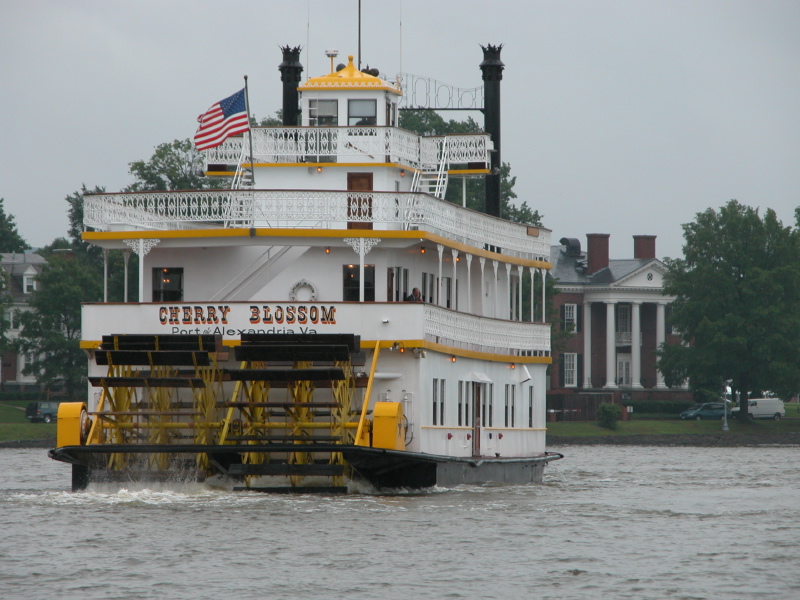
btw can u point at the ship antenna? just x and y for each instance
(359, 35)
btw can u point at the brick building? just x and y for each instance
(618, 318)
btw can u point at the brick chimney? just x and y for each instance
(596, 252)
(644, 246)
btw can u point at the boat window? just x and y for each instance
(511, 390)
(167, 284)
(352, 282)
(361, 112)
(323, 113)
(490, 393)
(442, 383)
(530, 406)
(460, 401)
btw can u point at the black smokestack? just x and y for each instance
(492, 69)
(291, 71)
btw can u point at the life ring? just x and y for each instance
(303, 284)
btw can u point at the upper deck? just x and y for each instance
(313, 210)
(363, 145)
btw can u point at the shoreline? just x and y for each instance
(700, 440)
(554, 441)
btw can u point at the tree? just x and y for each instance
(428, 122)
(173, 166)
(10, 239)
(737, 304)
(51, 332)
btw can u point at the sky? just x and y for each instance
(620, 117)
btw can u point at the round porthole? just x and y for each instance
(303, 291)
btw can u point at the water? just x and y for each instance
(608, 523)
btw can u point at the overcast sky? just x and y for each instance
(623, 117)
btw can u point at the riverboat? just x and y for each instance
(328, 317)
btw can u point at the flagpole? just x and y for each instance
(249, 126)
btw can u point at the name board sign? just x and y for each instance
(236, 319)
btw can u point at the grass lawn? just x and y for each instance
(15, 427)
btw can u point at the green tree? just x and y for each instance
(10, 239)
(174, 166)
(737, 304)
(51, 332)
(428, 122)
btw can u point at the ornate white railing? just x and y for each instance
(312, 209)
(487, 335)
(351, 144)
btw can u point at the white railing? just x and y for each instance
(312, 209)
(487, 335)
(352, 144)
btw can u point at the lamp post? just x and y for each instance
(725, 409)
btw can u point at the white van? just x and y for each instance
(764, 408)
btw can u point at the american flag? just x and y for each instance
(226, 118)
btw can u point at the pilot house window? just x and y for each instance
(323, 113)
(361, 112)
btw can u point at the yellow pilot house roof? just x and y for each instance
(349, 78)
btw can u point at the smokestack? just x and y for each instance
(644, 246)
(291, 71)
(492, 70)
(596, 252)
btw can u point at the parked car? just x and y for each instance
(42, 412)
(708, 410)
(764, 408)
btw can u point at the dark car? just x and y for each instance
(42, 412)
(709, 410)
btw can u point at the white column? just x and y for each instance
(361, 270)
(469, 283)
(105, 275)
(519, 293)
(636, 346)
(454, 285)
(587, 344)
(509, 298)
(533, 281)
(141, 254)
(494, 311)
(482, 261)
(660, 338)
(611, 347)
(544, 289)
(126, 255)
(440, 248)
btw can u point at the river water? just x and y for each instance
(608, 523)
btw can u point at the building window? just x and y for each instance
(570, 318)
(29, 283)
(361, 112)
(624, 370)
(624, 324)
(351, 278)
(168, 284)
(323, 113)
(570, 369)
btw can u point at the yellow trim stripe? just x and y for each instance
(408, 345)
